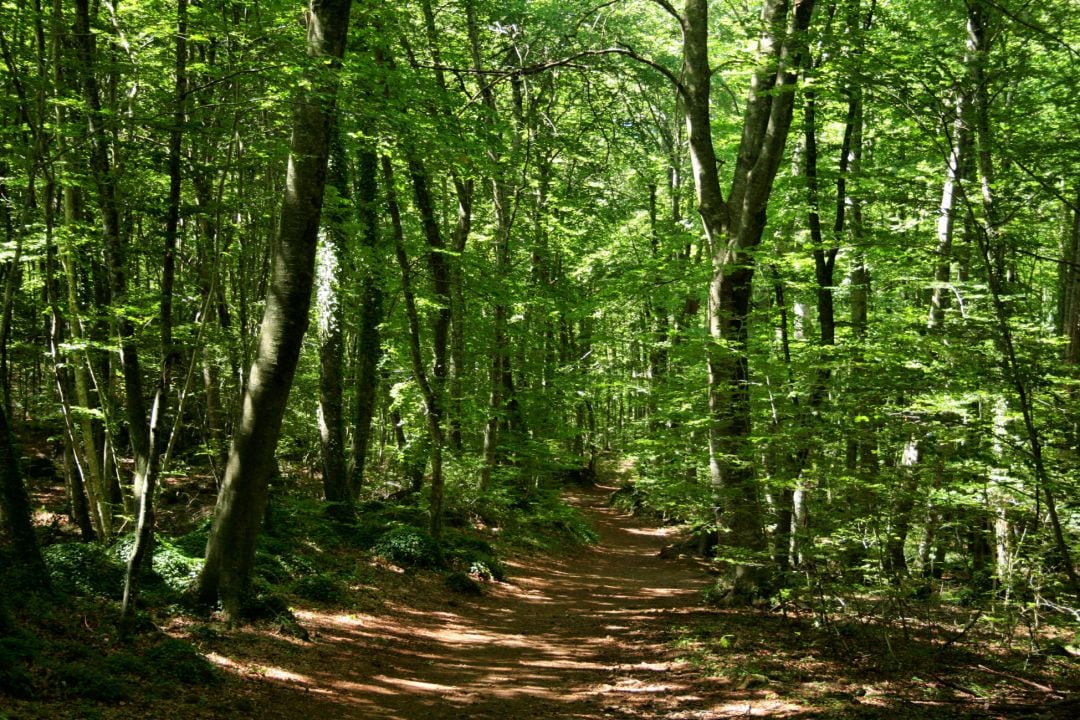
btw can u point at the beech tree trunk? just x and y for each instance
(733, 228)
(241, 503)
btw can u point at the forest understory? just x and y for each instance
(608, 629)
(539, 358)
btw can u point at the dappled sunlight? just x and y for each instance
(564, 637)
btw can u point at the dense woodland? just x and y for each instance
(813, 268)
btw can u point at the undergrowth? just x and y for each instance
(70, 648)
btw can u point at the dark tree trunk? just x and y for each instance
(15, 512)
(369, 342)
(733, 229)
(331, 335)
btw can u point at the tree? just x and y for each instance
(230, 550)
(733, 228)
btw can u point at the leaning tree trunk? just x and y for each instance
(230, 551)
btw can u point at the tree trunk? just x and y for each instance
(146, 480)
(954, 175)
(331, 298)
(369, 342)
(732, 229)
(230, 551)
(15, 522)
(432, 400)
(993, 252)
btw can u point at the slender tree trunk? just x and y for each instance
(954, 175)
(902, 507)
(993, 252)
(230, 551)
(331, 300)
(146, 485)
(432, 400)
(369, 342)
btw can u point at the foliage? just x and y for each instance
(409, 547)
(179, 661)
(172, 564)
(84, 568)
(321, 587)
(461, 582)
(16, 652)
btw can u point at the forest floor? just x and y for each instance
(606, 631)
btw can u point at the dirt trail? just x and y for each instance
(582, 636)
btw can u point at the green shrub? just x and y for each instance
(84, 569)
(321, 588)
(409, 547)
(477, 556)
(460, 582)
(375, 517)
(194, 543)
(179, 661)
(90, 681)
(171, 564)
(488, 569)
(262, 603)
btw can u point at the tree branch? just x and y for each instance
(670, 9)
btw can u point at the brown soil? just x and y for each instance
(580, 636)
(606, 631)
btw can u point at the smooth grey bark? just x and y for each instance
(959, 149)
(733, 228)
(241, 503)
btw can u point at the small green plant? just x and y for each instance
(84, 569)
(16, 653)
(171, 564)
(321, 588)
(409, 547)
(477, 557)
(178, 660)
(262, 603)
(90, 680)
(462, 583)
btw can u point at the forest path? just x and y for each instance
(586, 635)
